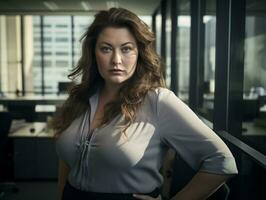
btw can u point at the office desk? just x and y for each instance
(28, 107)
(251, 129)
(33, 100)
(32, 130)
(34, 154)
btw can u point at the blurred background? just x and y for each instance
(215, 61)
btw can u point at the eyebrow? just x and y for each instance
(124, 44)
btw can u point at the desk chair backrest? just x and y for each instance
(5, 123)
(64, 87)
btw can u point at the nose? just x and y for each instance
(117, 59)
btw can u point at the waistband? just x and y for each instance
(71, 193)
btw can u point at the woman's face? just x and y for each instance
(116, 55)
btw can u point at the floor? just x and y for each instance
(46, 190)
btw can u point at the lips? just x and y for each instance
(116, 71)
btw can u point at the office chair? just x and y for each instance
(64, 87)
(6, 166)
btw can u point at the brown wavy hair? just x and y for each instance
(148, 74)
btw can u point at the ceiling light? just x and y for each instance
(85, 5)
(51, 5)
(112, 4)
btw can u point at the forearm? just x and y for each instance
(62, 178)
(201, 186)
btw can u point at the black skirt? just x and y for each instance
(71, 193)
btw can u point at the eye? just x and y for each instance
(106, 49)
(126, 49)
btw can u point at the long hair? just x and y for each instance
(147, 76)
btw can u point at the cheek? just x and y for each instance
(102, 63)
(132, 60)
(100, 60)
(132, 64)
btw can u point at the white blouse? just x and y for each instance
(105, 160)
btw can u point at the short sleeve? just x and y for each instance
(181, 129)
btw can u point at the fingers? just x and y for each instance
(139, 196)
(146, 197)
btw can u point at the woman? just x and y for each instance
(117, 124)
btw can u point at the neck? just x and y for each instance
(109, 92)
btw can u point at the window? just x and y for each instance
(254, 93)
(33, 81)
(51, 76)
(10, 54)
(47, 63)
(49, 53)
(61, 63)
(47, 39)
(81, 23)
(209, 21)
(61, 26)
(168, 43)
(62, 39)
(61, 53)
(183, 49)
(158, 19)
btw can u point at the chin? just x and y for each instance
(116, 82)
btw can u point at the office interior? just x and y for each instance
(215, 61)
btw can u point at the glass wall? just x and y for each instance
(158, 20)
(10, 54)
(254, 94)
(81, 24)
(57, 51)
(147, 19)
(48, 49)
(208, 85)
(168, 43)
(247, 143)
(51, 47)
(32, 54)
(183, 48)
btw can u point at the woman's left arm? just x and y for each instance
(200, 147)
(201, 186)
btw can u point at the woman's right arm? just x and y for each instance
(63, 172)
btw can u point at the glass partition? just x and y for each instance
(254, 93)
(183, 48)
(208, 85)
(10, 55)
(158, 20)
(81, 23)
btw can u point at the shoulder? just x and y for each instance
(75, 124)
(161, 97)
(166, 102)
(158, 92)
(161, 94)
